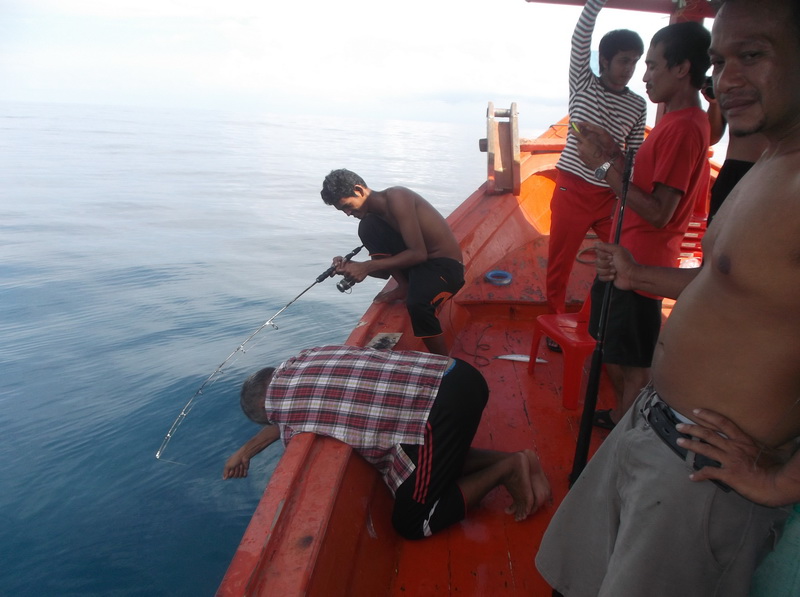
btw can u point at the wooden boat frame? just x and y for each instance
(323, 526)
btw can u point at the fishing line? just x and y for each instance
(218, 371)
(478, 360)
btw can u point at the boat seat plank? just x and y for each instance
(527, 284)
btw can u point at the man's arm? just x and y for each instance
(402, 206)
(765, 476)
(596, 146)
(615, 263)
(580, 72)
(239, 463)
(657, 207)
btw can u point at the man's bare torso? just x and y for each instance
(439, 239)
(732, 343)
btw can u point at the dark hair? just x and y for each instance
(620, 40)
(251, 398)
(340, 184)
(794, 10)
(686, 41)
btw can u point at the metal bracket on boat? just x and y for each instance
(502, 146)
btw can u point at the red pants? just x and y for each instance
(576, 207)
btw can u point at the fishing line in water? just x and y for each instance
(239, 349)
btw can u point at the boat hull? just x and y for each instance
(323, 524)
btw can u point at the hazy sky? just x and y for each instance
(420, 59)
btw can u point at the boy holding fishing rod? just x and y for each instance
(670, 177)
(408, 240)
(581, 201)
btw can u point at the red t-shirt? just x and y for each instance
(675, 154)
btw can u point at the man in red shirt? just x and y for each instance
(412, 415)
(643, 518)
(671, 173)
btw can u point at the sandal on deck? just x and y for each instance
(552, 345)
(602, 419)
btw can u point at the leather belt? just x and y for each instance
(661, 418)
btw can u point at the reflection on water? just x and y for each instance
(138, 250)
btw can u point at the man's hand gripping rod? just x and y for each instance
(328, 273)
(189, 405)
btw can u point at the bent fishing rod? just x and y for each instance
(328, 273)
(593, 381)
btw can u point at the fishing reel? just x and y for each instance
(345, 284)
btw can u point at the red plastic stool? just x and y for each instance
(570, 331)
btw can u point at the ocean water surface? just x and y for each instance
(138, 249)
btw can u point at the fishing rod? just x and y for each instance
(328, 273)
(593, 382)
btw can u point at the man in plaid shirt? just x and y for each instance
(411, 415)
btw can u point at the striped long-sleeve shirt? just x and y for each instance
(621, 114)
(372, 400)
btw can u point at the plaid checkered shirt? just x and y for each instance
(372, 400)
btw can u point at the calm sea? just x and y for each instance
(138, 249)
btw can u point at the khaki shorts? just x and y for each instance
(635, 525)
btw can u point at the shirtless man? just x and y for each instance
(407, 239)
(729, 346)
(742, 153)
(427, 407)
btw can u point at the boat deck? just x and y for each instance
(489, 553)
(323, 526)
(356, 550)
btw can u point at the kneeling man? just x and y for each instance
(411, 415)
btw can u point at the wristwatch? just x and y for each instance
(600, 173)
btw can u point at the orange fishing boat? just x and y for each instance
(323, 526)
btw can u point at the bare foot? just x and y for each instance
(388, 296)
(519, 485)
(539, 483)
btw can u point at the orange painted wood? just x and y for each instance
(570, 332)
(323, 525)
